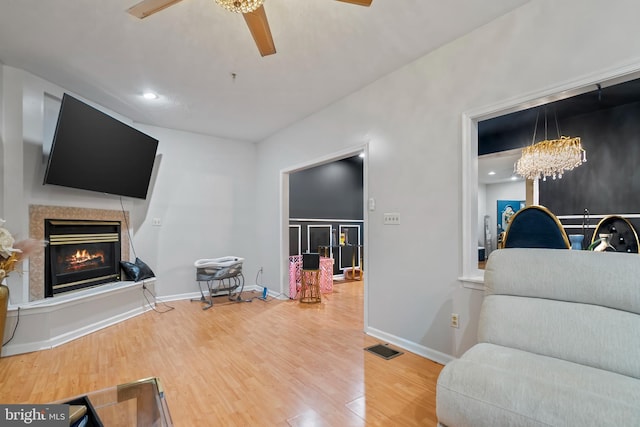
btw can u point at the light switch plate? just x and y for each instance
(392, 218)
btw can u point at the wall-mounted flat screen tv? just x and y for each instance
(93, 151)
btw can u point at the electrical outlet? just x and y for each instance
(392, 218)
(157, 222)
(455, 320)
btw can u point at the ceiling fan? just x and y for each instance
(252, 10)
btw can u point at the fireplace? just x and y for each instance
(80, 254)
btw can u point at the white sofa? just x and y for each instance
(558, 344)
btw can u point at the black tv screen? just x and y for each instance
(93, 151)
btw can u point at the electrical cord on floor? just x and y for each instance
(281, 294)
(266, 297)
(154, 305)
(264, 294)
(270, 297)
(14, 329)
(258, 274)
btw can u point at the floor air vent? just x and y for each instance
(384, 351)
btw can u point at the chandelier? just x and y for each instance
(550, 157)
(240, 6)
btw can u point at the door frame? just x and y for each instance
(284, 210)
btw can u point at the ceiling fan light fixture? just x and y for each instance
(240, 6)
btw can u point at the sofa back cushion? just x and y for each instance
(579, 306)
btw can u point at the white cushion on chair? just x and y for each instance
(223, 262)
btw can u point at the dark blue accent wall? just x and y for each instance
(333, 190)
(609, 182)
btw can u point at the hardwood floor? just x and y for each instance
(274, 363)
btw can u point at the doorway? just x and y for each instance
(326, 212)
(325, 222)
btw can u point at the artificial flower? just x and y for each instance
(12, 252)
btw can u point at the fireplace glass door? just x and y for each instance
(81, 254)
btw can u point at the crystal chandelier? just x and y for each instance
(550, 157)
(240, 6)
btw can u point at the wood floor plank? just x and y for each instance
(274, 363)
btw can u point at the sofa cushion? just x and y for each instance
(607, 279)
(493, 385)
(588, 334)
(580, 306)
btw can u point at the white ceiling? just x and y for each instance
(501, 164)
(188, 53)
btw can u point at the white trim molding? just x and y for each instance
(411, 346)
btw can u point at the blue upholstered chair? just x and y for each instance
(535, 227)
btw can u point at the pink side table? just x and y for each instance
(326, 275)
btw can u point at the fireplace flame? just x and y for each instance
(83, 255)
(83, 259)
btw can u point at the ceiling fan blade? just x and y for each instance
(149, 7)
(358, 2)
(259, 27)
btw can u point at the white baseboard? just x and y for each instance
(197, 295)
(411, 346)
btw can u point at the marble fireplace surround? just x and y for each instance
(37, 215)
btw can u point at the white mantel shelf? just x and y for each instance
(50, 322)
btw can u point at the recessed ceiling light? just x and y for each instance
(150, 95)
(514, 178)
(492, 173)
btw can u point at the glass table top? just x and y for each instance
(140, 403)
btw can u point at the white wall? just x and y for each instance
(412, 121)
(205, 197)
(12, 162)
(202, 191)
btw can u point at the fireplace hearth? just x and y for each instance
(80, 254)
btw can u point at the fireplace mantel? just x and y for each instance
(37, 215)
